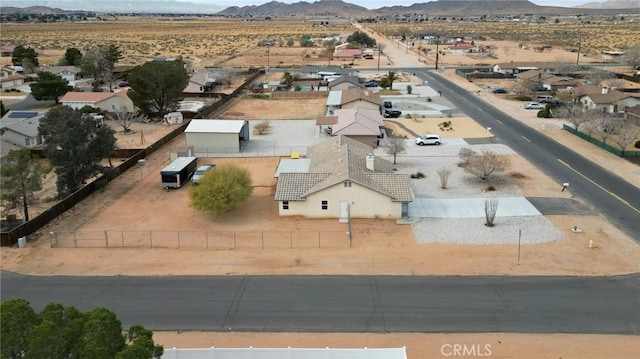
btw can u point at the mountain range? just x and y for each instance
(322, 7)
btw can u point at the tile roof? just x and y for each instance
(345, 78)
(86, 96)
(634, 110)
(537, 65)
(337, 160)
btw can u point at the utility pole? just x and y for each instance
(378, 57)
(437, 50)
(268, 47)
(579, 46)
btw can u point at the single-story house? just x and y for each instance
(273, 85)
(361, 124)
(69, 73)
(612, 55)
(533, 76)
(106, 101)
(347, 53)
(7, 50)
(601, 98)
(344, 82)
(512, 68)
(10, 78)
(318, 72)
(211, 136)
(203, 82)
(462, 49)
(344, 180)
(352, 98)
(633, 113)
(20, 128)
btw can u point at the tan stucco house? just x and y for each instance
(361, 124)
(352, 98)
(343, 179)
(593, 97)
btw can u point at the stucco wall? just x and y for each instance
(363, 203)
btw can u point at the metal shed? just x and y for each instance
(211, 137)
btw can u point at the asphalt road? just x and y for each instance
(29, 103)
(349, 303)
(608, 193)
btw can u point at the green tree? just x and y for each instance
(49, 87)
(75, 146)
(99, 62)
(72, 57)
(156, 87)
(22, 175)
(290, 42)
(287, 78)
(57, 335)
(18, 319)
(222, 189)
(305, 41)
(361, 38)
(140, 345)
(101, 335)
(389, 78)
(3, 110)
(25, 57)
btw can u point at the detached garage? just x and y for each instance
(211, 137)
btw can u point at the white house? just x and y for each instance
(20, 128)
(105, 101)
(344, 179)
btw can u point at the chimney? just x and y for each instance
(605, 90)
(370, 161)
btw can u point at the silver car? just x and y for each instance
(197, 175)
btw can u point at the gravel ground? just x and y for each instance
(428, 160)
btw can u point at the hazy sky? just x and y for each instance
(375, 4)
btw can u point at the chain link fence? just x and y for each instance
(200, 239)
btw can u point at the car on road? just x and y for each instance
(428, 140)
(371, 83)
(392, 114)
(377, 76)
(387, 104)
(499, 90)
(534, 106)
(197, 175)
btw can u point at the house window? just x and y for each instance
(27, 141)
(285, 205)
(347, 183)
(325, 205)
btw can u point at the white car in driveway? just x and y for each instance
(534, 106)
(428, 140)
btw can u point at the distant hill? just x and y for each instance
(318, 8)
(440, 7)
(612, 4)
(35, 10)
(116, 6)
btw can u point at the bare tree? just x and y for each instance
(578, 117)
(125, 118)
(626, 131)
(486, 163)
(632, 56)
(604, 128)
(444, 174)
(466, 154)
(490, 210)
(394, 146)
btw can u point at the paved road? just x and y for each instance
(610, 194)
(349, 303)
(29, 103)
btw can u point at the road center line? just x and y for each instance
(599, 186)
(526, 139)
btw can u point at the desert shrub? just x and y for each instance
(544, 113)
(486, 163)
(428, 99)
(417, 175)
(466, 154)
(407, 115)
(523, 98)
(409, 89)
(261, 128)
(517, 175)
(446, 126)
(489, 189)
(637, 144)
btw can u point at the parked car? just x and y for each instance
(367, 56)
(372, 83)
(428, 140)
(539, 89)
(387, 104)
(534, 106)
(377, 76)
(197, 175)
(499, 90)
(392, 114)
